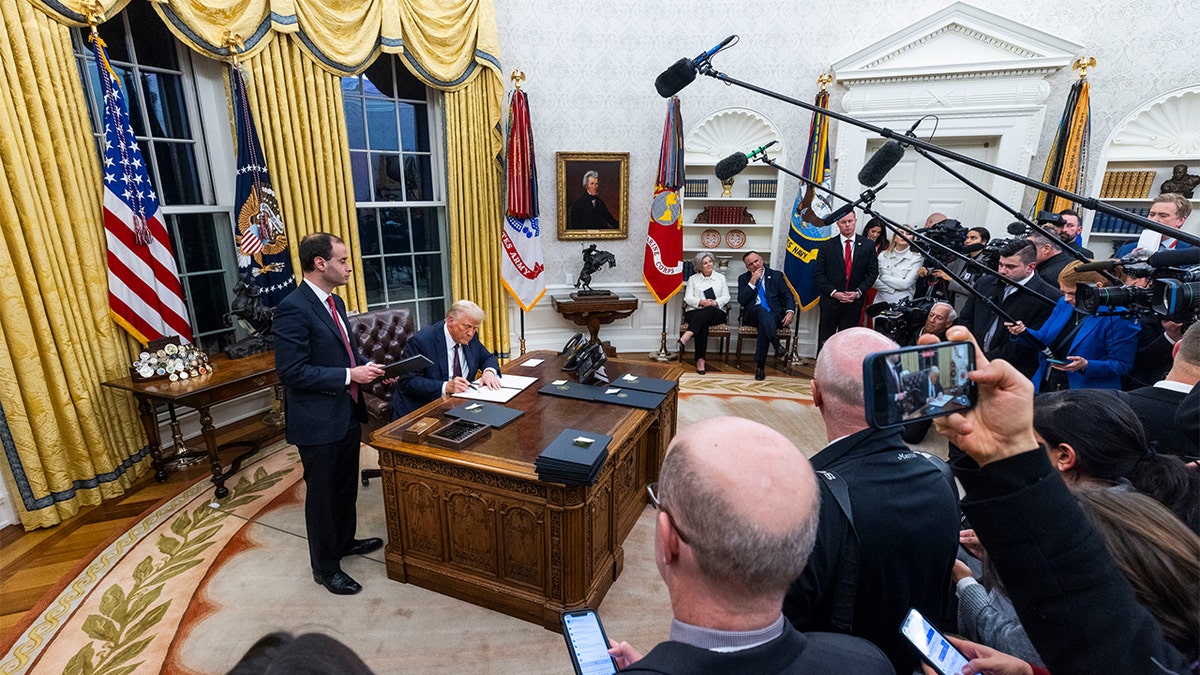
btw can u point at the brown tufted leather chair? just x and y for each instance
(381, 336)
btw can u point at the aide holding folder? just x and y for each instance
(456, 354)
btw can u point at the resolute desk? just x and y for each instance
(478, 525)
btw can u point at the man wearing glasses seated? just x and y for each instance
(737, 513)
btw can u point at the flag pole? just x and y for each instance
(663, 355)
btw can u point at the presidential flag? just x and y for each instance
(808, 227)
(262, 244)
(144, 293)
(1066, 167)
(523, 268)
(662, 269)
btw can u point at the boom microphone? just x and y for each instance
(883, 161)
(1018, 228)
(682, 72)
(1137, 256)
(1179, 257)
(735, 163)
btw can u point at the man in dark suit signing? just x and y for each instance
(456, 354)
(846, 269)
(321, 368)
(767, 304)
(1018, 260)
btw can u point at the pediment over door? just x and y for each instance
(960, 41)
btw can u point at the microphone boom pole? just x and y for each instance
(705, 68)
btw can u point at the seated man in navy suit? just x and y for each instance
(456, 353)
(767, 304)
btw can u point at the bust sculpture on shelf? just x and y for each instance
(1181, 181)
(593, 261)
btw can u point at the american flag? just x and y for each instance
(144, 294)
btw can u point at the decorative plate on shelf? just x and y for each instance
(735, 238)
(710, 238)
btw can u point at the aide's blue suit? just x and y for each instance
(322, 419)
(420, 387)
(1109, 344)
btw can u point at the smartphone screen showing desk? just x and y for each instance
(917, 383)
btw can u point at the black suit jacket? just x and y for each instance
(1020, 305)
(830, 271)
(311, 361)
(1156, 408)
(906, 519)
(779, 296)
(418, 388)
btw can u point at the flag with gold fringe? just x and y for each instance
(808, 228)
(1067, 164)
(145, 296)
(524, 270)
(264, 262)
(662, 269)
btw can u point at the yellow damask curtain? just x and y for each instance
(473, 203)
(302, 128)
(69, 441)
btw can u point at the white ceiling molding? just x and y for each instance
(960, 41)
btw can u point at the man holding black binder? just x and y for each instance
(320, 366)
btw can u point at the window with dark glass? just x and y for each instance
(401, 208)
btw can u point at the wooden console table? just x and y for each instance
(477, 524)
(229, 379)
(594, 313)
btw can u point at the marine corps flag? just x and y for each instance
(523, 271)
(663, 266)
(1067, 163)
(144, 293)
(262, 244)
(808, 227)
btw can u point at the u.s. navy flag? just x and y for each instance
(662, 268)
(523, 269)
(808, 227)
(144, 293)
(262, 244)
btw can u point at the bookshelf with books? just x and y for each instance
(1138, 157)
(728, 226)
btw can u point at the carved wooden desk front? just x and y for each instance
(478, 525)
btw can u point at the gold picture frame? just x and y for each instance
(583, 217)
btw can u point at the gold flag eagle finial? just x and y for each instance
(825, 79)
(517, 77)
(1082, 64)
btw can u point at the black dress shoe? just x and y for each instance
(338, 583)
(760, 374)
(363, 546)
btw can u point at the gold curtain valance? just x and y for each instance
(443, 42)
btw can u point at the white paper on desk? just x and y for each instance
(490, 395)
(533, 362)
(518, 382)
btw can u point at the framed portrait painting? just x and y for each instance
(593, 195)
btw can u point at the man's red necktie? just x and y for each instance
(849, 262)
(346, 341)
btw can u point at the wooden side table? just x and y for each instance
(594, 313)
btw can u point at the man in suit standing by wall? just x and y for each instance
(321, 368)
(767, 304)
(1156, 405)
(456, 354)
(1018, 260)
(846, 267)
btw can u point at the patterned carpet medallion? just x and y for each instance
(195, 583)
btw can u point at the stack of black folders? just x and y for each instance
(574, 458)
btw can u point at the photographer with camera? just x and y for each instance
(1018, 260)
(974, 245)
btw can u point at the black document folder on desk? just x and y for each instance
(485, 413)
(574, 458)
(650, 384)
(623, 396)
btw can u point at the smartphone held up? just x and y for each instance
(910, 384)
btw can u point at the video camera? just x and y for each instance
(1173, 292)
(901, 321)
(949, 233)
